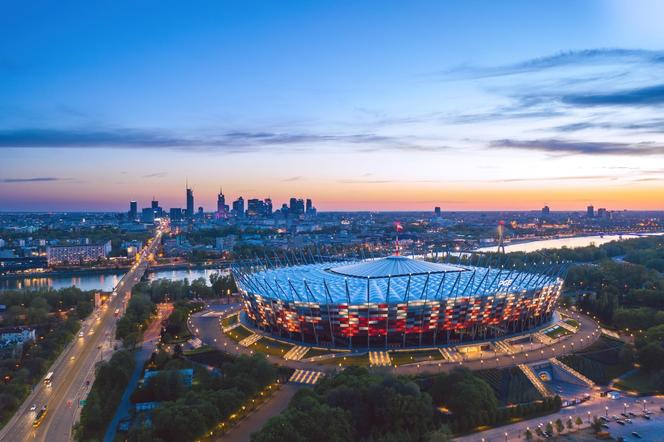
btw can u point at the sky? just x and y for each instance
(372, 105)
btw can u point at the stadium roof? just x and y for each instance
(393, 266)
(392, 279)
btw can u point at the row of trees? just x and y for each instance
(111, 380)
(136, 318)
(187, 415)
(22, 369)
(161, 290)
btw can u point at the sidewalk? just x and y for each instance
(255, 421)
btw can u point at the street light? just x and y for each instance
(606, 409)
(624, 407)
(589, 417)
(506, 436)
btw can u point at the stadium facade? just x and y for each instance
(395, 301)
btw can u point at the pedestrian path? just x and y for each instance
(573, 372)
(309, 377)
(230, 327)
(296, 353)
(570, 328)
(380, 359)
(251, 339)
(537, 383)
(544, 339)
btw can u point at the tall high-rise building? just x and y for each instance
(436, 212)
(546, 211)
(190, 203)
(221, 203)
(268, 207)
(296, 207)
(309, 205)
(175, 214)
(238, 207)
(590, 212)
(156, 209)
(133, 210)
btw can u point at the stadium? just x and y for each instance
(395, 301)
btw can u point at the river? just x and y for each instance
(98, 281)
(570, 243)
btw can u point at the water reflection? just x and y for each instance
(100, 281)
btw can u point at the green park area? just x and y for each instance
(239, 333)
(230, 320)
(414, 356)
(271, 347)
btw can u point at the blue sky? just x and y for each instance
(360, 105)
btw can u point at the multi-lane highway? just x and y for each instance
(73, 371)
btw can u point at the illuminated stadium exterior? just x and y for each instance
(395, 301)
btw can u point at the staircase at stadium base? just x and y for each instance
(503, 347)
(251, 339)
(450, 355)
(573, 372)
(296, 353)
(309, 377)
(537, 383)
(379, 359)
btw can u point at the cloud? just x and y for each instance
(644, 96)
(32, 179)
(558, 178)
(656, 126)
(607, 56)
(229, 142)
(558, 146)
(155, 175)
(291, 179)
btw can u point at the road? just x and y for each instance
(597, 406)
(75, 367)
(208, 330)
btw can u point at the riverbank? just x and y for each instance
(115, 269)
(572, 241)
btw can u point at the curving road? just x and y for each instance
(207, 328)
(74, 368)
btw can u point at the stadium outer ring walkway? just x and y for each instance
(208, 330)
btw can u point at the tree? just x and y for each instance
(596, 424)
(528, 434)
(549, 428)
(570, 424)
(559, 426)
(443, 434)
(578, 421)
(651, 357)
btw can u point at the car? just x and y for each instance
(631, 414)
(603, 419)
(81, 334)
(33, 407)
(72, 358)
(605, 426)
(646, 416)
(620, 422)
(629, 421)
(636, 435)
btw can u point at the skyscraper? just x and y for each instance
(221, 203)
(133, 211)
(190, 203)
(545, 211)
(309, 205)
(436, 212)
(238, 207)
(590, 212)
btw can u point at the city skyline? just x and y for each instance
(368, 106)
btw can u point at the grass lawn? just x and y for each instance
(239, 333)
(231, 320)
(572, 322)
(556, 332)
(320, 352)
(271, 347)
(410, 357)
(640, 381)
(199, 350)
(346, 361)
(600, 362)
